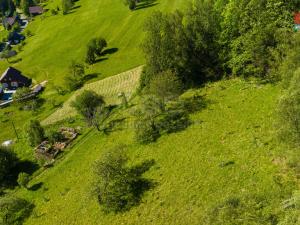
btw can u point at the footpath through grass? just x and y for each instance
(229, 151)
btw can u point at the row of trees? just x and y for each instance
(213, 38)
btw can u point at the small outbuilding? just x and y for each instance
(36, 10)
(13, 79)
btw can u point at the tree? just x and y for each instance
(23, 179)
(25, 6)
(165, 86)
(90, 56)
(95, 48)
(118, 186)
(14, 210)
(8, 159)
(131, 4)
(35, 133)
(75, 77)
(67, 5)
(91, 107)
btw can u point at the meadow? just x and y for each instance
(229, 151)
(59, 39)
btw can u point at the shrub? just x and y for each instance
(172, 121)
(117, 186)
(23, 179)
(165, 85)
(288, 111)
(145, 131)
(67, 6)
(54, 136)
(35, 133)
(14, 210)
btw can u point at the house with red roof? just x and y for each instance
(297, 21)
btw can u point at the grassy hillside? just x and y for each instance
(229, 151)
(60, 39)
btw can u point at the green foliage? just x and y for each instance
(35, 133)
(253, 34)
(21, 93)
(8, 159)
(89, 105)
(25, 7)
(183, 43)
(165, 86)
(288, 111)
(74, 79)
(14, 211)
(66, 6)
(117, 186)
(153, 120)
(95, 48)
(54, 136)
(23, 179)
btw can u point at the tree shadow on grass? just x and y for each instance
(101, 59)
(22, 166)
(16, 60)
(109, 51)
(140, 184)
(146, 4)
(90, 76)
(36, 186)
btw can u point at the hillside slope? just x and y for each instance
(229, 151)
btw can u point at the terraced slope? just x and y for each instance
(109, 88)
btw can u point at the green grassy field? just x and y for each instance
(60, 39)
(237, 126)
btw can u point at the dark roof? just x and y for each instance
(297, 18)
(16, 75)
(36, 10)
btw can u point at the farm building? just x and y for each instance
(36, 10)
(13, 78)
(297, 21)
(8, 22)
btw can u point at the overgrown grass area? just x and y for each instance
(228, 152)
(109, 88)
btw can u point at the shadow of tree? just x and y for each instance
(36, 186)
(140, 184)
(145, 4)
(109, 51)
(90, 76)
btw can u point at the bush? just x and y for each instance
(35, 133)
(172, 121)
(117, 186)
(23, 179)
(54, 136)
(14, 210)
(288, 111)
(145, 131)
(8, 159)
(114, 185)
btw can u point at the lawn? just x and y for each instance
(229, 151)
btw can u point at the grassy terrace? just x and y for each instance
(188, 175)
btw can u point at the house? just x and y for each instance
(13, 79)
(297, 21)
(8, 22)
(36, 10)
